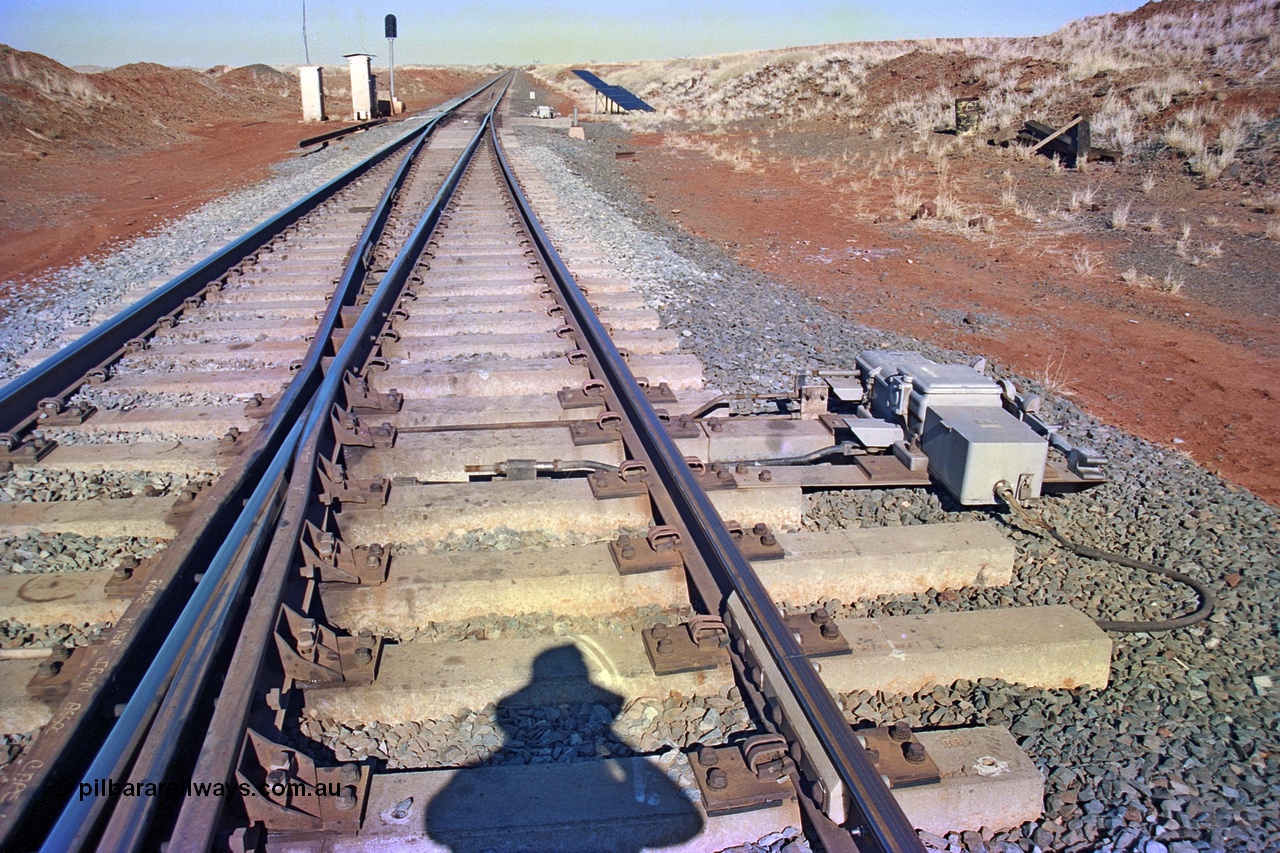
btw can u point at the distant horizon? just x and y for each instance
(109, 33)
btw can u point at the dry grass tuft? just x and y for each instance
(1139, 101)
(1183, 246)
(906, 199)
(1083, 261)
(1210, 157)
(1081, 199)
(742, 160)
(1120, 216)
(1054, 377)
(921, 113)
(53, 84)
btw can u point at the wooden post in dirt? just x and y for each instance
(1043, 142)
(1081, 141)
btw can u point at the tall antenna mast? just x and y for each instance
(306, 49)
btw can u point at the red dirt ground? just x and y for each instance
(71, 210)
(90, 161)
(1162, 367)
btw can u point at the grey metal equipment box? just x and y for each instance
(927, 383)
(959, 418)
(970, 449)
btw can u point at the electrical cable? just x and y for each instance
(1207, 601)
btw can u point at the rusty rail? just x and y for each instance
(340, 132)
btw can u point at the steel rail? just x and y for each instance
(877, 822)
(197, 821)
(206, 611)
(133, 816)
(131, 819)
(65, 370)
(340, 132)
(19, 803)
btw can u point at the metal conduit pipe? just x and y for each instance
(557, 466)
(844, 448)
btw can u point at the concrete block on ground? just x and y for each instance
(416, 350)
(216, 355)
(188, 456)
(462, 411)
(19, 713)
(54, 598)
(613, 804)
(428, 412)
(421, 681)
(427, 305)
(294, 329)
(764, 438)
(582, 579)
(1053, 647)
(496, 377)
(778, 508)
(97, 517)
(241, 383)
(440, 457)
(987, 781)
(854, 564)
(461, 585)
(208, 422)
(428, 513)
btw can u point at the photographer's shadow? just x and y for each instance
(620, 804)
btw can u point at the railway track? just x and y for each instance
(466, 435)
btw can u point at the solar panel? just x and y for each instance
(589, 77)
(622, 97)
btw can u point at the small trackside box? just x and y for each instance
(970, 449)
(924, 383)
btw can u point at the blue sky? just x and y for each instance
(239, 32)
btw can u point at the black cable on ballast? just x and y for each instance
(1005, 492)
